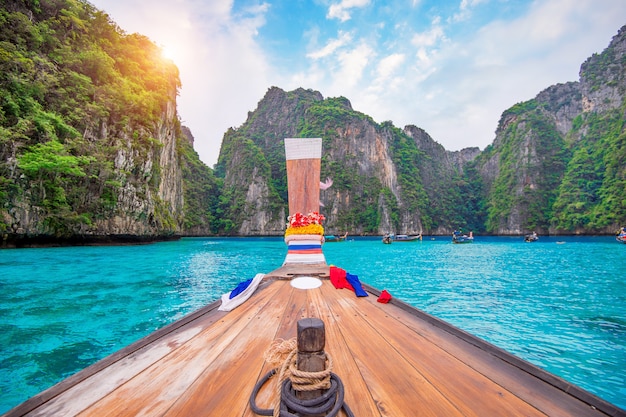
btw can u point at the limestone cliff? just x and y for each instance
(374, 168)
(554, 164)
(91, 147)
(553, 167)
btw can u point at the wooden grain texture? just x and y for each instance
(473, 394)
(225, 384)
(396, 386)
(393, 360)
(303, 184)
(505, 373)
(289, 271)
(357, 393)
(156, 389)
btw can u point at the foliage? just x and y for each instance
(201, 191)
(591, 195)
(527, 184)
(66, 73)
(407, 159)
(244, 163)
(470, 211)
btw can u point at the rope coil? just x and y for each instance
(282, 356)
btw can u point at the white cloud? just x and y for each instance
(430, 37)
(341, 10)
(388, 65)
(223, 71)
(465, 9)
(454, 88)
(332, 46)
(508, 62)
(458, 88)
(352, 64)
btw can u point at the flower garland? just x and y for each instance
(309, 224)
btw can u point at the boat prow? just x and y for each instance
(390, 358)
(208, 363)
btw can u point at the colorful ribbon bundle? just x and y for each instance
(304, 237)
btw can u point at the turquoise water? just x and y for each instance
(561, 306)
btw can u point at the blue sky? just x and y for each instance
(449, 67)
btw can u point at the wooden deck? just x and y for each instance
(393, 360)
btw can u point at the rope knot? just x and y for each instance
(282, 356)
(310, 381)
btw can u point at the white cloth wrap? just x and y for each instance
(298, 238)
(297, 258)
(229, 304)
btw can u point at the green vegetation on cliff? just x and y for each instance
(592, 194)
(202, 193)
(76, 93)
(527, 183)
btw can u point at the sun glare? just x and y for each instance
(169, 52)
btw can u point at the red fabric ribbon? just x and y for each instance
(385, 297)
(338, 278)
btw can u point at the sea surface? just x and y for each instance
(559, 303)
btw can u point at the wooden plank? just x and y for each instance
(81, 396)
(225, 384)
(473, 393)
(397, 387)
(503, 368)
(289, 271)
(303, 185)
(357, 394)
(154, 390)
(73, 386)
(295, 308)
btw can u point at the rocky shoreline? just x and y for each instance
(12, 241)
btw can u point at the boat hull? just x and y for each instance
(207, 363)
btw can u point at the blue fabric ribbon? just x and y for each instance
(356, 284)
(239, 288)
(304, 247)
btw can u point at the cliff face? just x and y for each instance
(91, 147)
(380, 174)
(143, 191)
(553, 166)
(150, 196)
(553, 163)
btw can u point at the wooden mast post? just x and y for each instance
(304, 162)
(311, 356)
(303, 159)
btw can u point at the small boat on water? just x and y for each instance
(390, 237)
(459, 237)
(335, 238)
(407, 238)
(531, 237)
(353, 347)
(620, 236)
